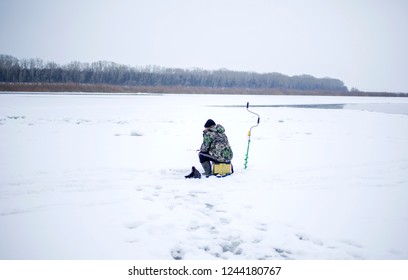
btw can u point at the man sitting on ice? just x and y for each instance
(215, 147)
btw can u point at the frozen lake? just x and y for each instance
(102, 177)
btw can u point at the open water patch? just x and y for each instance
(388, 108)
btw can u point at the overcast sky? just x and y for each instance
(364, 43)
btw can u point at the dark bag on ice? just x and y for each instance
(194, 174)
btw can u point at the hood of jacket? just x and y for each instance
(217, 128)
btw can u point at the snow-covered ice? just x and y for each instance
(102, 177)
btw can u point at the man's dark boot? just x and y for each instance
(207, 168)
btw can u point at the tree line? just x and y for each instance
(35, 70)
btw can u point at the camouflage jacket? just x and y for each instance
(215, 143)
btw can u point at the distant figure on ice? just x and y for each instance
(215, 147)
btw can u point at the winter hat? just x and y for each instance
(209, 123)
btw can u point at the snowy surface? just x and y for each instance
(102, 177)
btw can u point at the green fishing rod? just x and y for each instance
(249, 134)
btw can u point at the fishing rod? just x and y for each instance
(249, 134)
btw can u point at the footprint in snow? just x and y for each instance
(225, 220)
(134, 225)
(232, 246)
(352, 243)
(209, 206)
(177, 253)
(315, 241)
(262, 227)
(283, 253)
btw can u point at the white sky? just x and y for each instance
(364, 43)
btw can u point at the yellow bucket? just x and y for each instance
(222, 168)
